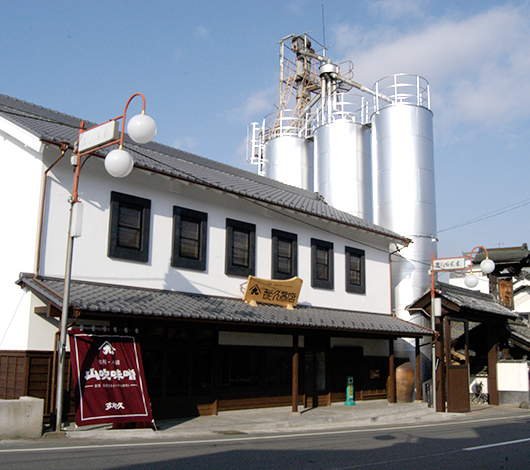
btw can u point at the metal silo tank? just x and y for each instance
(343, 173)
(404, 188)
(289, 159)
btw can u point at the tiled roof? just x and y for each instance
(55, 127)
(116, 299)
(473, 300)
(520, 331)
(516, 257)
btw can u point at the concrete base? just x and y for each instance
(22, 418)
(513, 398)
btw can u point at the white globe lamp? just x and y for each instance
(119, 163)
(487, 266)
(471, 281)
(141, 128)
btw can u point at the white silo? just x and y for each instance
(288, 154)
(282, 145)
(404, 189)
(396, 144)
(343, 169)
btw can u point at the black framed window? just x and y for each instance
(355, 270)
(240, 248)
(284, 254)
(189, 239)
(129, 229)
(321, 264)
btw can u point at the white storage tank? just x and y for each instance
(404, 189)
(343, 169)
(289, 159)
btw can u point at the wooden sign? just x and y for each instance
(273, 291)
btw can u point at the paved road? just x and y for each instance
(493, 443)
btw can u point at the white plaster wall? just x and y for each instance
(90, 261)
(482, 286)
(20, 187)
(521, 301)
(512, 376)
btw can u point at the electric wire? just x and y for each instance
(489, 215)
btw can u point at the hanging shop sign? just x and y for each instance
(273, 291)
(109, 379)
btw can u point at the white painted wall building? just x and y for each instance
(36, 187)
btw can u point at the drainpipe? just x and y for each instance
(64, 146)
(390, 268)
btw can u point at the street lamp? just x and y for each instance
(445, 265)
(487, 266)
(118, 163)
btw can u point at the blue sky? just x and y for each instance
(210, 68)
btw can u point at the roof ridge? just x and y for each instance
(32, 108)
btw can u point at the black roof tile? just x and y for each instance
(49, 125)
(118, 299)
(473, 300)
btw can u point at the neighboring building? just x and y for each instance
(473, 330)
(166, 253)
(507, 281)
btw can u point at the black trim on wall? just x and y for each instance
(194, 257)
(354, 255)
(321, 273)
(279, 270)
(240, 248)
(129, 227)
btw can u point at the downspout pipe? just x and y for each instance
(64, 146)
(408, 241)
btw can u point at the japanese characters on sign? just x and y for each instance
(273, 291)
(450, 264)
(110, 384)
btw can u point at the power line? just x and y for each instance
(489, 215)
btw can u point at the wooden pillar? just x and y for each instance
(216, 373)
(418, 371)
(493, 354)
(295, 378)
(392, 373)
(440, 370)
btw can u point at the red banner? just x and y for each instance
(109, 379)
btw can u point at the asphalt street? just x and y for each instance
(480, 441)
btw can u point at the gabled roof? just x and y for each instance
(116, 300)
(54, 127)
(512, 258)
(466, 299)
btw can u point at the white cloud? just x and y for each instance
(478, 67)
(188, 144)
(201, 33)
(397, 9)
(255, 106)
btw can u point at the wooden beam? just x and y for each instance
(295, 374)
(418, 371)
(392, 373)
(493, 354)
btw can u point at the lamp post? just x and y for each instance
(445, 265)
(118, 163)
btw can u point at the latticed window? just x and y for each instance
(129, 227)
(321, 264)
(284, 255)
(355, 267)
(190, 229)
(240, 248)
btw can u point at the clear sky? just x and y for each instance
(209, 68)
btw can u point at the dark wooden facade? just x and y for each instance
(189, 373)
